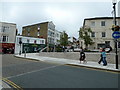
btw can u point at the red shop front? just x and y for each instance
(7, 48)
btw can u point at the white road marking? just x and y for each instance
(32, 71)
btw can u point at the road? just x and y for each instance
(36, 74)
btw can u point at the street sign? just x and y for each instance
(116, 34)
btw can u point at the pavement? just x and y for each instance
(4, 85)
(89, 64)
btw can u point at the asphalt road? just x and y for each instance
(35, 74)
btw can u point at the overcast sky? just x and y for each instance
(67, 15)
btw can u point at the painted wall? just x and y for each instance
(27, 40)
(8, 29)
(98, 29)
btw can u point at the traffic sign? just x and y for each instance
(116, 34)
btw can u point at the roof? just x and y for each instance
(101, 18)
(98, 18)
(7, 23)
(36, 24)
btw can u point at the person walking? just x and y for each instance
(103, 54)
(82, 56)
(100, 56)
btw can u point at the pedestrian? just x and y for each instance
(82, 55)
(100, 56)
(63, 48)
(103, 57)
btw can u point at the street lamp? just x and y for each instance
(114, 8)
(20, 42)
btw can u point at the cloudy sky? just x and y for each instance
(67, 15)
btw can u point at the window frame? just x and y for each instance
(103, 34)
(93, 23)
(103, 23)
(92, 34)
(5, 38)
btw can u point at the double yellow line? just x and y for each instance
(11, 84)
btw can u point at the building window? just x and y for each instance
(57, 35)
(92, 23)
(38, 28)
(5, 39)
(93, 34)
(51, 33)
(103, 34)
(107, 43)
(28, 40)
(28, 29)
(28, 32)
(42, 41)
(102, 23)
(3, 29)
(38, 34)
(35, 41)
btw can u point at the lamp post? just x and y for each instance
(20, 42)
(114, 8)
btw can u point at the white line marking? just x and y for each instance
(32, 71)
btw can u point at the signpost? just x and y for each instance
(116, 35)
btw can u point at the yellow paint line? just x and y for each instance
(12, 84)
(96, 69)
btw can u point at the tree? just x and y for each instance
(84, 34)
(64, 39)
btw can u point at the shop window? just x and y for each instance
(42, 41)
(35, 41)
(28, 40)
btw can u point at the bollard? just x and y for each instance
(25, 54)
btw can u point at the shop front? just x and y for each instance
(7, 48)
(32, 48)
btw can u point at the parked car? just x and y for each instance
(77, 49)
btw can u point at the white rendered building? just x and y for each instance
(7, 36)
(101, 32)
(57, 37)
(30, 44)
(7, 32)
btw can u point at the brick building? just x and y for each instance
(45, 30)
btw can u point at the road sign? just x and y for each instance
(116, 34)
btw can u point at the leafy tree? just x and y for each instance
(84, 34)
(64, 39)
